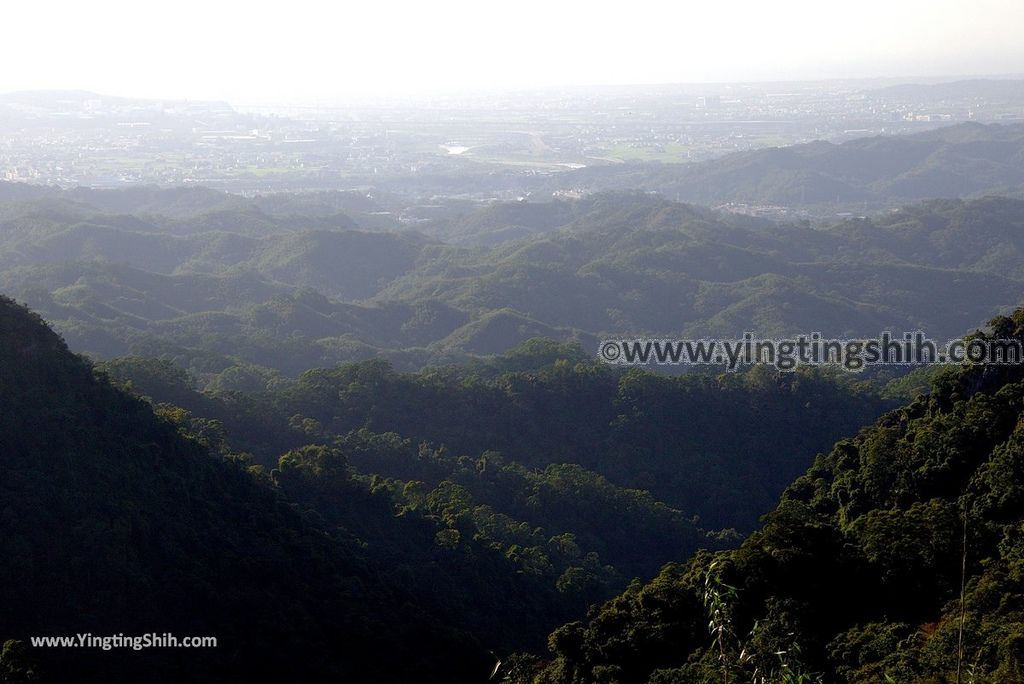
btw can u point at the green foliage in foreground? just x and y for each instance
(514, 480)
(303, 558)
(382, 536)
(860, 565)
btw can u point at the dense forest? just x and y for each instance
(558, 408)
(367, 498)
(895, 558)
(892, 556)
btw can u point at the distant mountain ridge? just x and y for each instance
(249, 286)
(64, 102)
(965, 160)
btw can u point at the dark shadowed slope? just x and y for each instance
(113, 522)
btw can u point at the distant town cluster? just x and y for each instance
(444, 146)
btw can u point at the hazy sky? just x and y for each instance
(303, 50)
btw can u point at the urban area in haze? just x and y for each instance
(416, 153)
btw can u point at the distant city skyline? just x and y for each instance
(304, 52)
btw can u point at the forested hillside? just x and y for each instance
(895, 558)
(387, 511)
(116, 521)
(243, 290)
(666, 435)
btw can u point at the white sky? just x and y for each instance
(302, 50)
